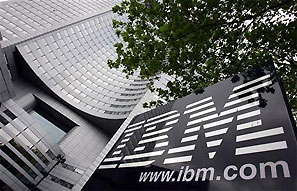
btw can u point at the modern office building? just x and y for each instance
(60, 102)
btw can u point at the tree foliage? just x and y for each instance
(200, 42)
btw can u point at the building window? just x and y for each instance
(27, 156)
(40, 155)
(51, 154)
(10, 114)
(19, 161)
(3, 120)
(56, 133)
(61, 182)
(16, 173)
(72, 168)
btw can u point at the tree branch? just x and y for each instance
(250, 17)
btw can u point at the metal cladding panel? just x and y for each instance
(235, 135)
(72, 63)
(24, 19)
(27, 151)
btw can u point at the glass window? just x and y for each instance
(40, 155)
(16, 173)
(61, 182)
(18, 147)
(55, 132)
(19, 161)
(51, 154)
(3, 120)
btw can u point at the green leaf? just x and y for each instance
(202, 42)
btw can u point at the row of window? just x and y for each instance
(35, 142)
(19, 145)
(61, 182)
(122, 106)
(132, 90)
(9, 132)
(3, 121)
(8, 113)
(72, 168)
(117, 112)
(19, 161)
(16, 173)
(125, 100)
(29, 157)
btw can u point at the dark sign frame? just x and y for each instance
(236, 134)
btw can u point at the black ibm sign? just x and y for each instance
(236, 135)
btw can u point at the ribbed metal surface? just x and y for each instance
(23, 19)
(72, 62)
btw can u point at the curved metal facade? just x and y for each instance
(72, 63)
(23, 19)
